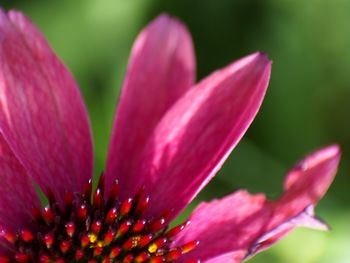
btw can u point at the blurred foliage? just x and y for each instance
(306, 106)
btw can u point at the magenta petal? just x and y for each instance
(225, 226)
(305, 218)
(160, 70)
(250, 223)
(307, 182)
(234, 257)
(42, 115)
(197, 134)
(17, 192)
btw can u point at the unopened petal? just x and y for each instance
(161, 69)
(42, 115)
(198, 133)
(251, 223)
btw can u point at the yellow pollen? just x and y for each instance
(135, 241)
(92, 238)
(152, 248)
(100, 244)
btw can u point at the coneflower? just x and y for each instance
(169, 139)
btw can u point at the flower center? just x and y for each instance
(96, 230)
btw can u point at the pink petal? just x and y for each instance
(250, 223)
(42, 115)
(161, 69)
(197, 134)
(235, 257)
(17, 192)
(307, 182)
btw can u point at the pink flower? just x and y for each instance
(170, 137)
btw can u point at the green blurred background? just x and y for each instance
(306, 107)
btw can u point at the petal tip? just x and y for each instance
(321, 164)
(329, 154)
(162, 18)
(166, 20)
(263, 57)
(171, 23)
(260, 61)
(332, 151)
